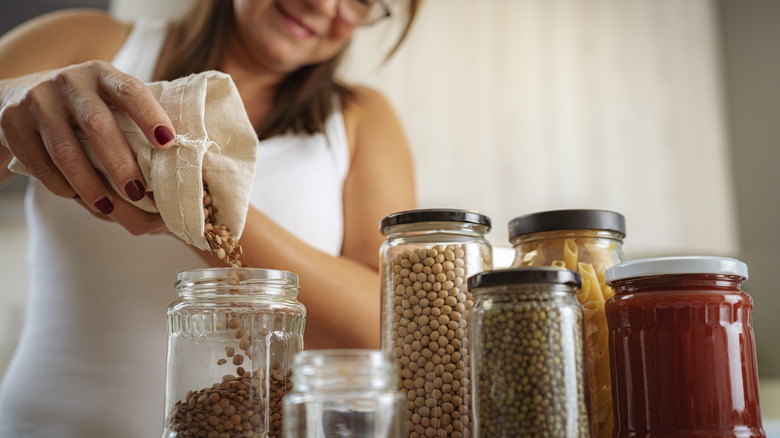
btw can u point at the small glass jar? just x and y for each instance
(683, 352)
(527, 355)
(232, 335)
(344, 393)
(424, 265)
(589, 242)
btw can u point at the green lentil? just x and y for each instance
(531, 380)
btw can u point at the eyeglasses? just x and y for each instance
(363, 12)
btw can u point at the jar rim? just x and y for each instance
(526, 275)
(239, 276)
(676, 265)
(434, 215)
(342, 363)
(571, 219)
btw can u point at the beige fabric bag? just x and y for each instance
(214, 141)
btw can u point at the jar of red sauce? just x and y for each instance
(682, 351)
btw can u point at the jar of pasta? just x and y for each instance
(588, 242)
(527, 354)
(684, 355)
(424, 264)
(232, 336)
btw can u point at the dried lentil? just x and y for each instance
(235, 407)
(529, 368)
(223, 245)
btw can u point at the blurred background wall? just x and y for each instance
(663, 110)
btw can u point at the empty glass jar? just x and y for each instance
(344, 393)
(232, 335)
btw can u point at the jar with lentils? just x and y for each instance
(232, 336)
(527, 356)
(425, 262)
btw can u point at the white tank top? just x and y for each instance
(91, 358)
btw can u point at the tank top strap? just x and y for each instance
(336, 136)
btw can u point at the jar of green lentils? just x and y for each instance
(527, 356)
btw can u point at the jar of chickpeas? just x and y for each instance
(425, 262)
(232, 336)
(588, 242)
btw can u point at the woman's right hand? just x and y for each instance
(37, 119)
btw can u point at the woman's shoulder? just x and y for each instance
(369, 115)
(366, 99)
(364, 105)
(64, 37)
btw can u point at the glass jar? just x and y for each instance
(344, 393)
(232, 335)
(683, 352)
(527, 355)
(424, 265)
(589, 242)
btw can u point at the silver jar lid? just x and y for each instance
(676, 265)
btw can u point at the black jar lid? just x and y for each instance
(504, 277)
(434, 215)
(555, 220)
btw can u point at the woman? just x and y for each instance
(332, 162)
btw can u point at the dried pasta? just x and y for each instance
(590, 258)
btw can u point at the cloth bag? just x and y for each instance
(215, 142)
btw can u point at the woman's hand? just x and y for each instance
(38, 114)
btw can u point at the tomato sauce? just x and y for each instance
(683, 358)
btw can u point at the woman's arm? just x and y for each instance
(54, 75)
(342, 294)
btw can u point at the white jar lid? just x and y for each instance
(676, 265)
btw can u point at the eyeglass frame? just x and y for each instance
(387, 13)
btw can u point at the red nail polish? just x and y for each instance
(163, 135)
(104, 205)
(135, 190)
(150, 195)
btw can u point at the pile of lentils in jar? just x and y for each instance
(243, 404)
(524, 389)
(431, 303)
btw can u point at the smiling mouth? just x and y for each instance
(295, 24)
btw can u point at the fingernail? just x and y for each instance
(104, 205)
(163, 135)
(150, 195)
(135, 190)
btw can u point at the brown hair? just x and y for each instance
(303, 100)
